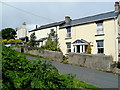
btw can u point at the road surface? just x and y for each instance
(94, 77)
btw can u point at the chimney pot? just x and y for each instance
(116, 3)
(67, 19)
(117, 7)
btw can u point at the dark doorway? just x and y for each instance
(78, 48)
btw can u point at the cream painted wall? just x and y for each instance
(42, 33)
(23, 32)
(88, 32)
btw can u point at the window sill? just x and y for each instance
(68, 38)
(100, 35)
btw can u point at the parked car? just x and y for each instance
(8, 45)
(13, 44)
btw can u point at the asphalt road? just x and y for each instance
(94, 77)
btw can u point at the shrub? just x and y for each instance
(10, 40)
(88, 51)
(20, 73)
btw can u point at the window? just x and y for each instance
(52, 30)
(68, 47)
(68, 32)
(99, 27)
(100, 46)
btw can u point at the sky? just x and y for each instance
(13, 14)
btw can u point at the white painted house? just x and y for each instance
(22, 33)
(102, 30)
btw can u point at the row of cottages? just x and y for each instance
(102, 31)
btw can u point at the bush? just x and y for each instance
(20, 73)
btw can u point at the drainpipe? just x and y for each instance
(56, 36)
(116, 51)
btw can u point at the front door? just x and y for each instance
(78, 48)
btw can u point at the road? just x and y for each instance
(94, 77)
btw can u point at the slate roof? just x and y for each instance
(94, 18)
(75, 22)
(41, 39)
(48, 26)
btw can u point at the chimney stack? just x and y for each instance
(36, 26)
(24, 25)
(117, 7)
(67, 19)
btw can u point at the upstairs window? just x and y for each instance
(99, 27)
(68, 35)
(100, 46)
(52, 30)
(68, 44)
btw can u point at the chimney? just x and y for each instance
(36, 26)
(24, 25)
(117, 7)
(67, 19)
(16, 29)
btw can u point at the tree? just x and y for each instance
(8, 33)
(32, 42)
(52, 42)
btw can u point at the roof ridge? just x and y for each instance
(94, 15)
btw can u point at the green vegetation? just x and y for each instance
(65, 59)
(32, 42)
(18, 72)
(8, 33)
(52, 42)
(88, 51)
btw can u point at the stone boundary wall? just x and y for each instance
(99, 62)
(53, 55)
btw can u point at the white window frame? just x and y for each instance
(52, 30)
(68, 35)
(100, 47)
(100, 29)
(68, 46)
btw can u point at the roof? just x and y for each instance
(75, 22)
(48, 26)
(94, 18)
(79, 41)
(42, 39)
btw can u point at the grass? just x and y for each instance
(79, 84)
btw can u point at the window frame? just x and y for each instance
(100, 45)
(68, 47)
(52, 30)
(68, 32)
(100, 28)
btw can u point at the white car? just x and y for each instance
(8, 45)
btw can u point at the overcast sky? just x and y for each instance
(40, 13)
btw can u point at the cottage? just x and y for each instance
(102, 31)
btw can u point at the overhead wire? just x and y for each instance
(27, 12)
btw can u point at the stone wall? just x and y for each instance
(99, 62)
(53, 55)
